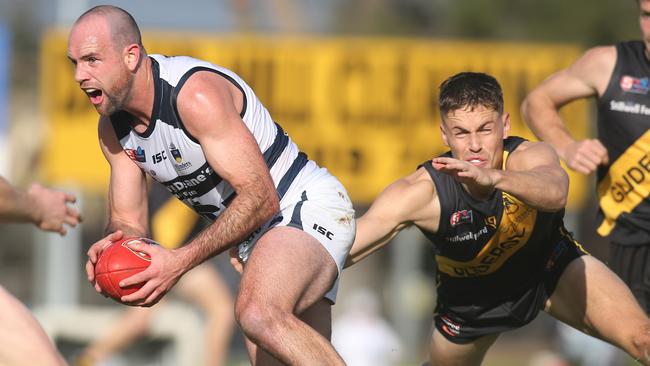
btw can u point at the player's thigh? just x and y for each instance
(591, 298)
(203, 285)
(442, 352)
(289, 269)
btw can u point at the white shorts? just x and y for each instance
(321, 208)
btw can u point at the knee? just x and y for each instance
(256, 319)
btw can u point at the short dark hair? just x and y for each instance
(470, 89)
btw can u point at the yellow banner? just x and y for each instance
(365, 108)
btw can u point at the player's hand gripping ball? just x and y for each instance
(118, 262)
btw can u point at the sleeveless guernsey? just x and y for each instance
(487, 250)
(624, 129)
(173, 157)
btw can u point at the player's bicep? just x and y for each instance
(540, 157)
(586, 77)
(207, 107)
(563, 87)
(235, 156)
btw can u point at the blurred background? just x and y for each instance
(355, 84)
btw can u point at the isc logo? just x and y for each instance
(157, 158)
(321, 230)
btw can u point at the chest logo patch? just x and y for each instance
(461, 217)
(630, 84)
(175, 153)
(512, 233)
(137, 154)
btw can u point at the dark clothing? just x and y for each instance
(632, 264)
(624, 129)
(466, 323)
(498, 259)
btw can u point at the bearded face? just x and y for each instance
(100, 67)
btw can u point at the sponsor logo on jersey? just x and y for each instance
(159, 157)
(626, 185)
(629, 107)
(630, 84)
(467, 236)
(513, 232)
(178, 158)
(321, 230)
(449, 327)
(175, 153)
(195, 184)
(137, 155)
(491, 221)
(461, 217)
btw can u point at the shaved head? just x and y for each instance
(106, 50)
(123, 28)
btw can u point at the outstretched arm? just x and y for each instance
(46, 208)
(533, 174)
(587, 77)
(408, 201)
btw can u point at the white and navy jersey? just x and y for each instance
(173, 157)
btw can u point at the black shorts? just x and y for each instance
(467, 323)
(632, 264)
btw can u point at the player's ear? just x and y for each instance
(506, 124)
(132, 56)
(443, 132)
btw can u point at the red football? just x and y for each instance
(118, 262)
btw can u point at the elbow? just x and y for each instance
(559, 203)
(558, 198)
(525, 108)
(558, 190)
(552, 203)
(531, 105)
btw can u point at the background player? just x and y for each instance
(493, 209)
(618, 76)
(22, 340)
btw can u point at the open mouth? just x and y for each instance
(96, 95)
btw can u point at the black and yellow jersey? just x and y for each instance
(486, 250)
(624, 129)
